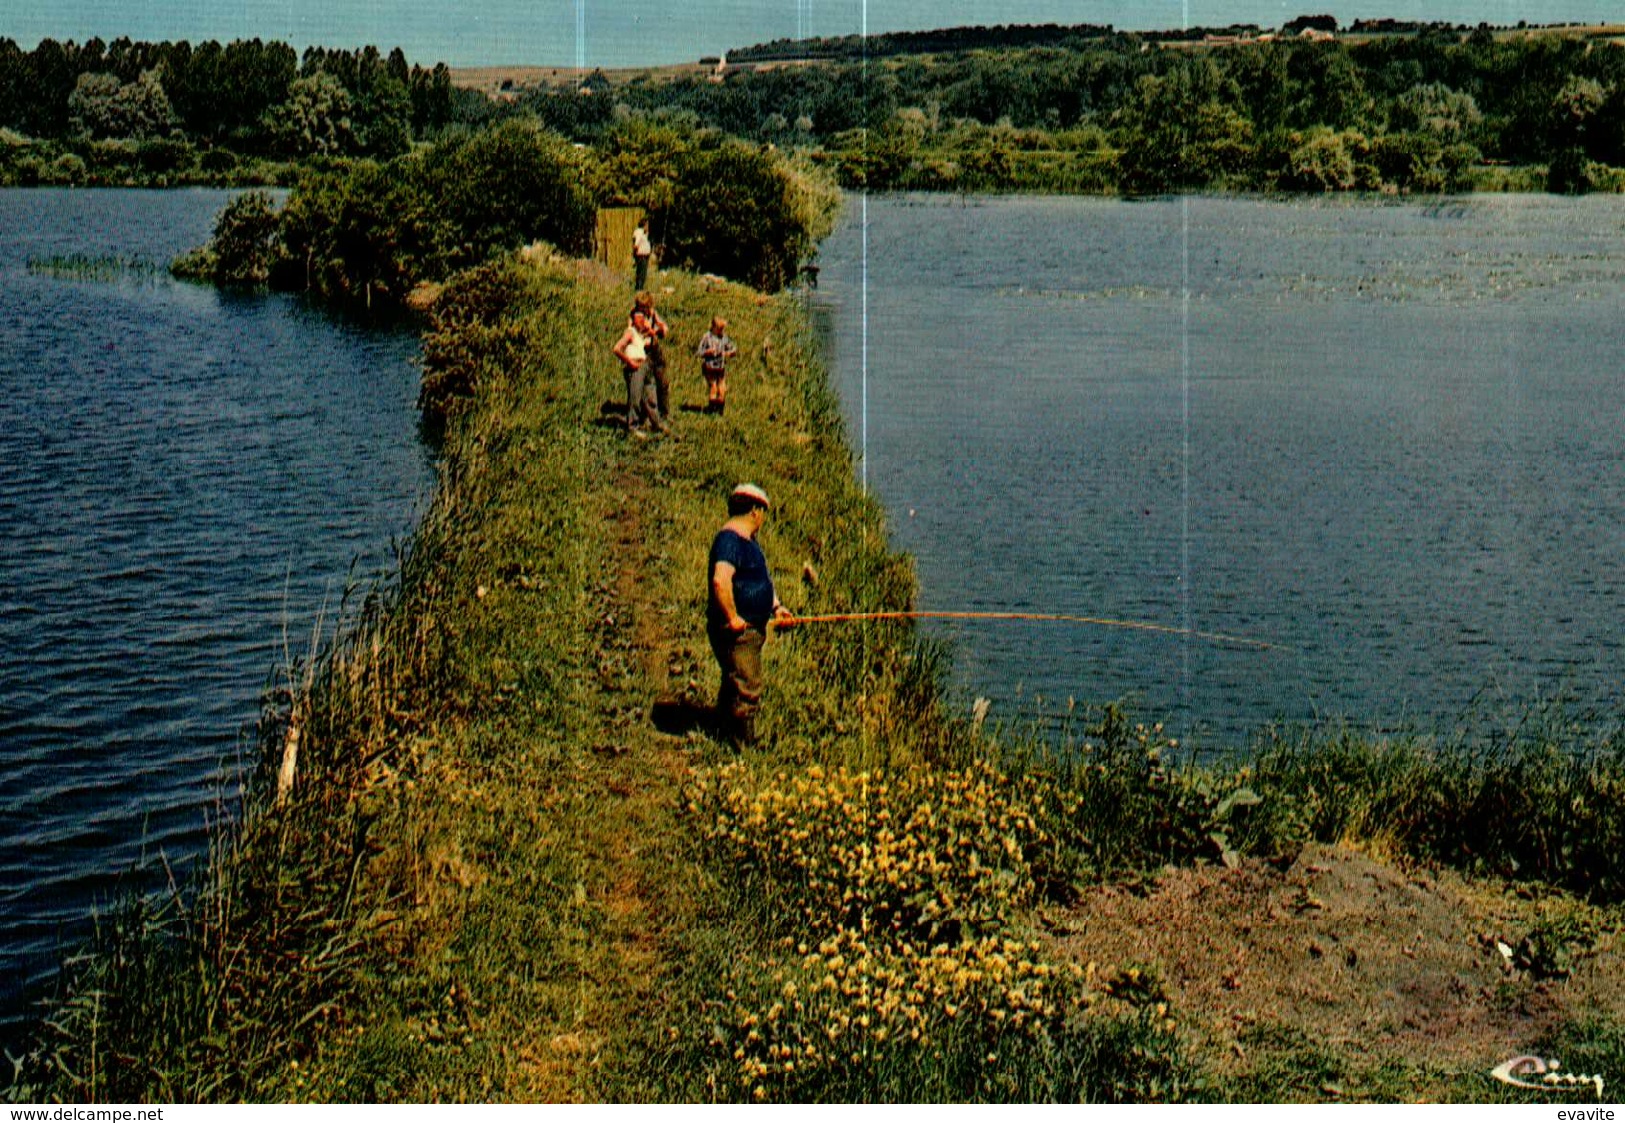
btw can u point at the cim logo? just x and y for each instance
(1542, 1075)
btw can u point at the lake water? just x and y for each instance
(1381, 436)
(192, 481)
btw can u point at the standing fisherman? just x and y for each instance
(740, 604)
(642, 250)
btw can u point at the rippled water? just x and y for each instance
(1383, 437)
(191, 481)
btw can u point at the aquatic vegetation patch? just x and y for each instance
(94, 267)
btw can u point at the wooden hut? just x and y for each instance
(612, 241)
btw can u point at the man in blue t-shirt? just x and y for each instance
(740, 604)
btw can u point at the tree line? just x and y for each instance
(1004, 37)
(172, 111)
(1437, 109)
(1426, 109)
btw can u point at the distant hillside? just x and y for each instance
(954, 40)
(941, 41)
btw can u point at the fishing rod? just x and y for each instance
(1138, 625)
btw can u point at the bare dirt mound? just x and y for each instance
(1382, 965)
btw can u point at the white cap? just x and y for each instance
(753, 493)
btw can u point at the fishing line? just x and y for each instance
(1055, 617)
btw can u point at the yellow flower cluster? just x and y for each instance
(850, 1003)
(925, 854)
(906, 885)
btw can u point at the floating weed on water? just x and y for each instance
(92, 267)
(1109, 292)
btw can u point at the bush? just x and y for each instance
(898, 978)
(505, 188)
(1572, 173)
(245, 240)
(1328, 161)
(358, 236)
(1422, 162)
(163, 156)
(66, 169)
(473, 332)
(744, 213)
(217, 160)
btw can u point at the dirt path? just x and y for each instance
(1342, 952)
(638, 893)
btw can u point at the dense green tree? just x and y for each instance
(1264, 83)
(101, 106)
(1330, 88)
(571, 114)
(742, 212)
(1422, 161)
(14, 67)
(1179, 133)
(384, 116)
(638, 159)
(507, 187)
(364, 235)
(189, 82)
(314, 119)
(43, 92)
(1435, 108)
(431, 94)
(1326, 160)
(996, 89)
(253, 77)
(1574, 107)
(245, 240)
(1606, 131)
(881, 159)
(1571, 172)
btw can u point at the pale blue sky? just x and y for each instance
(618, 33)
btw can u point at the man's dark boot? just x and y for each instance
(744, 731)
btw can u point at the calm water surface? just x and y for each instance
(192, 481)
(1385, 437)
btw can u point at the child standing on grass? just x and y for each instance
(714, 352)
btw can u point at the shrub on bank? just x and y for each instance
(244, 248)
(504, 188)
(355, 236)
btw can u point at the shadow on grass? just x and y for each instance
(682, 716)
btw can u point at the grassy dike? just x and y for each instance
(535, 825)
(511, 866)
(554, 867)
